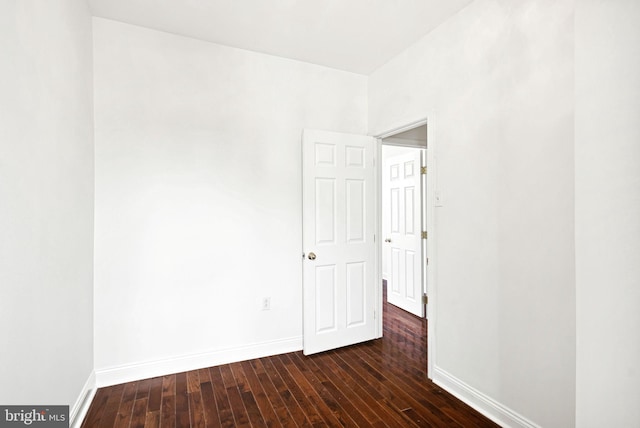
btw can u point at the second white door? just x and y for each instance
(403, 232)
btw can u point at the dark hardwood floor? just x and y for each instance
(381, 383)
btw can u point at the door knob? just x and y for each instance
(387, 240)
(312, 256)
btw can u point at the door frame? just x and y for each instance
(428, 120)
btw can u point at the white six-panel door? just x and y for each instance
(338, 240)
(403, 233)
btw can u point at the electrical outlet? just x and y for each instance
(266, 303)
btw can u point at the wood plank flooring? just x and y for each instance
(381, 383)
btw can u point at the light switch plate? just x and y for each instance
(439, 201)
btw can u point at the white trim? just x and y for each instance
(402, 128)
(424, 200)
(148, 369)
(377, 192)
(82, 404)
(432, 266)
(484, 404)
(428, 120)
(405, 142)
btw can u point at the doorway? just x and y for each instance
(402, 227)
(403, 218)
(418, 134)
(333, 164)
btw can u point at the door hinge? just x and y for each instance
(425, 299)
(423, 170)
(424, 235)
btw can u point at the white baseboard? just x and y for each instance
(147, 369)
(495, 411)
(82, 404)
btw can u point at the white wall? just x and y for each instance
(46, 201)
(498, 77)
(198, 194)
(607, 226)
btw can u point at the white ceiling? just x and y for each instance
(352, 35)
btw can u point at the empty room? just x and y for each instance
(320, 212)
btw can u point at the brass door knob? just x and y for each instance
(312, 256)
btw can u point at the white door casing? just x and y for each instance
(339, 271)
(403, 233)
(430, 245)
